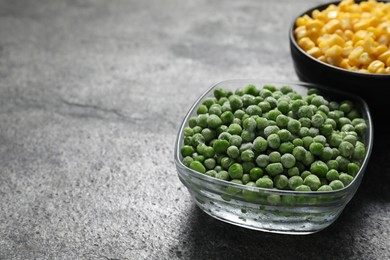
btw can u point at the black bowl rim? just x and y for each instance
(332, 67)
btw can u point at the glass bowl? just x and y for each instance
(271, 210)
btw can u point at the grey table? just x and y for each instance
(92, 94)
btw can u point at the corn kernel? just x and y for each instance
(331, 26)
(380, 49)
(384, 56)
(315, 52)
(365, 59)
(375, 65)
(306, 43)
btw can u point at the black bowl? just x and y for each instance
(371, 87)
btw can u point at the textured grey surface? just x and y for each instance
(92, 94)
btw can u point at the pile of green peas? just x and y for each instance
(272, 137)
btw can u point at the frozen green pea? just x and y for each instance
(307, 141)
(284, 135)
(245, 178)
(282, 121)
(198, 157)
(208, 134)
(287, 160)
(332, 164)
(274, 169)
(256, 173)
(361, 128)
(346, 149)
(188, 131)
(215, 109)
(221, 129)
(208, 101)
(293, 126)
(235, 102)
(274, 157)
(296, 104)
(235, 140)
(236, 171)
(209, 163)
(353, 169)
(220, 146)
(283, 106)
(226, 106)
(253, 110)
(251, 89)
(197, 166)
(211, 173)
(239, 113)
(332, 175)
(248, 155)
(222, 175)
(345, 178)
(313, 131)
(264, 106)
(247, 166)
(224, 136)
(359, 152)
(187, 140)
(347, 128)
(312, 181)
(192, 121)
(245, 146)
(299, 153)
(327, 154)
(265, 183)
(305, 122)
(351, 139)
(202, 120)
(317, 120)
(286, 147)
(343, 163)
(346, 106)
(234, 129)
(226, 162)
(261, 123)
(303, 132)
(233, 152)
(227, 117)
(247, 136)
(302, 188)
(273, 141)
(220, 92)
(357, 121)
(272, 101)
(343, 121)
(187, 161)
(281, 181)
(334, 105)
(304, 174)
(249, 124)
(326, 129)
(202, 109)
(309, 158)
(325, 188)
(319, 168)
(293, 171)
(218, 168)
(294, 182)
(233, 189)
(336, 185)
(197, 139)
(297, 142)
(208, 152)
(305, 111)
(272, 129)
(262, 160)
(260, 144)
(187, 150)
(336, 153)
(273, 114)
(335, 140)
(316, 148)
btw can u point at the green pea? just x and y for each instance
(192, 121)
(221, 129)
(286, 147)
(353, 169)
(265, 183)
(199, 158)
(332, 175)
(197, 166)
(345, 178)
(260, 144)
(304, 174)
(235, 102)
(218, 168)
(248, 155)
(220, 92)
(343, 163)
(264, 106)
(326, 129)
(313, 132)
(361, 128)
(208, 152)
(202, 109)
(234, 129)
(273, 141)
(317, 120)
(283, 106)
(251, 89)
(299, 153)
(284, 135)
(316, 148)
(197, 139)
(325, 188)
(224, 136)
(262, 160)
(247, 166)
(287, 160)
(346, 149)
(305, 111)
(187, 150)
(256, 173)
(245, 178)
(274, 169)
(293, 126)
(294, 182)
(303, 132)
(274, 157)
(335, 140)
(272, 101)
(222, 175)
(336, 185)
(187, 161)
(273, 114)
(272, 129)
(351, 139)
(249, 124)
(319, 168)
(309, 158)
(297, 142)
(307, 141)
(261, 123)
(209, 163)
(359, 152)
(248, 100)
(226, 162)
(235, 140)
(302, 188)
(236, 171)
(253, 110)
(233, 189)
(293, 171)
(281, 181)
(312, 181)
(346, 106)
(227, 117)
(332, 164)
(296, 104)
(202, 120)
(282, 121)
(233, 152)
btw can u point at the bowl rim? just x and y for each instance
(346, 189)
(294, 43)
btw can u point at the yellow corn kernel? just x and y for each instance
(363, 71)
(358, 43)
(347, 49)
(316, 14)
(374, 32)
(361, 25)
(354, 56)
(348, 34)
(331, 26)
(369, 45)
(306, 43)
(380, 49)
(375, 65)
(315, 52)
(359, 35)
(387, 70)
(300, 32)
(381, 71)
(384, 56)
(365, 59)
(344, 64)
(388, 62)
(344, 5)
(383, 39)
(302, 21)
(322, 58)
(333, 55)
(346, 24)
(337, 39)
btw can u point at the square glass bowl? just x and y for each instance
(271, 210)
